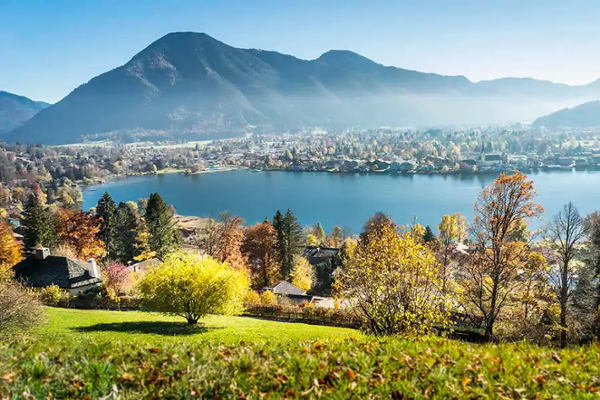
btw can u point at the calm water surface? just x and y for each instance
(340, 199)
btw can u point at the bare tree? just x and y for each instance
(565, 233)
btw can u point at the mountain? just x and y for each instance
(583, 115)
(15, 110)
(190, 85)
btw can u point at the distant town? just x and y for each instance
(384, 150)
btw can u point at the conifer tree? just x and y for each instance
(164, 235)
(40, 224)
(320, 233)
(127, 225)
(289, 240)
(429, 235)
(106, 210)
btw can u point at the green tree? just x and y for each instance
(191, 286)
(289, 241)
(106, 210)
(429, 236)
(320, 233)
(40, 224)
(127, 225)
(162, 227)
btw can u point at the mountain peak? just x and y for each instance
(339, 57)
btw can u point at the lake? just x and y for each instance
(341, 199)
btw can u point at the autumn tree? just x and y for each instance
(565, 235)
(493, 273)
(106, 210)
(393, 282)
(302, 275)
(10, 250)
(259, 246)
(335, 239)
(311, 240)
(453, 230)
(289, 241)
(116, 277)
(191, 286)
(230, 239)
(206, 237)
(40, 224)
(79, 230)
(374, 226)
(592, 223)
(141, 246)
(162, 227)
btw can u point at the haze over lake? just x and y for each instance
(341, 199)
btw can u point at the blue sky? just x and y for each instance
(49, 47)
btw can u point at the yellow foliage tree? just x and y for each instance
(500, 249)
(141, 245)
(302, 275)
(453, 230)
(393, 283)
(191, 286)
(10, 250)
(268, 298)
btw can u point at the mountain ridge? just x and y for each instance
(188, 84)
(16, 109)
(584, 115)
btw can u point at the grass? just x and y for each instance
(129, 355)
(67, 325)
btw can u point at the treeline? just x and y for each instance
(132, 232)
(491, 271)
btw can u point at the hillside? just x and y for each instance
(193, 86)
(133, 355)
(583, 115)
(15, 110)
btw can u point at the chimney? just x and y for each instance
(94, 270)
(41, 253)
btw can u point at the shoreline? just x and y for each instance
(526, 171)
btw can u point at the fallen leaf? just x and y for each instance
(350, 374)
(555, 357)
(126, 377)
(8, 377)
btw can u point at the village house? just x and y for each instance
(41, 269)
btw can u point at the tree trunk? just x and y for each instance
(563, 304)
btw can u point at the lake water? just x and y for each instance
(341, 199)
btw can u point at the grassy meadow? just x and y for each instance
(130, 355)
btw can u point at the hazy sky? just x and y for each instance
(49, 47)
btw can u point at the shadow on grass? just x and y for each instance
(148, 327)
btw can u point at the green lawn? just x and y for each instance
(131, 355)
(142, 327)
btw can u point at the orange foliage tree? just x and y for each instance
(230, 239)
(78, 230)
(493, 274)
(10, 250)
(259, 247)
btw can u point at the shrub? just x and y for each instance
(20, 309)
(268, 298)
(392, 282)
(190, 286)
(116, 277)
(252, 297)
(53, 296)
